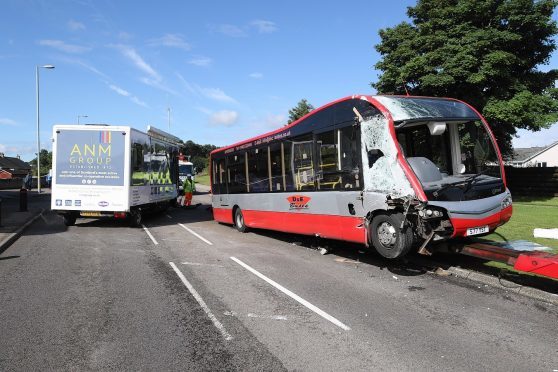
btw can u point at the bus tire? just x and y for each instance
(239, 221)
(135, 218)
(69, 219)
(388, 238)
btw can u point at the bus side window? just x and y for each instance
(236, 173)
(137, 165)
(303, 164)
(276, 167)
(351, 168)
(215, 176)
(258, 172)
(328, 173)
(288, 162)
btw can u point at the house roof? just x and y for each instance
(523, 155)
(16, 164)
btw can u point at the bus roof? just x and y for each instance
(400, 107)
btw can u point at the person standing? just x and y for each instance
(188, 190)
(28, 181)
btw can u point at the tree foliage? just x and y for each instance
(485, 52)
(199, 154)
(46, 162)
(301, 109)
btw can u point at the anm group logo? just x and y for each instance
(298, 201)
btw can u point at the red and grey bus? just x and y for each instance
(393, 172)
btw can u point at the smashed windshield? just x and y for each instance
(407, 108)
(450, 155)
(382, 172)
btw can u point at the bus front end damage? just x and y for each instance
(432, 172)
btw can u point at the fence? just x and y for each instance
(534, 182)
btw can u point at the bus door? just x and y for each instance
(219, 186)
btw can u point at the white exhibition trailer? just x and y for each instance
(112, 171)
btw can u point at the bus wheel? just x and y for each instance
(239, 221)
(135, 218)
(388, 238)
(69, 219)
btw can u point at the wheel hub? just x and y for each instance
(386, 234)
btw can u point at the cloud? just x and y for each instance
(64, 47)
(78, 62)
(264, 27)
(137, 101)
(138, 61)
(171, 41)
(11, 149)
(231, 30)
(6, 121)
(224, 118)
(201, 61)
(256, 75)
(75, 25)
(216, 94)
(186, 84)
(119, 90)
(125, 93)
(276, 121)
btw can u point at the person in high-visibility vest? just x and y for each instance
(188, 187)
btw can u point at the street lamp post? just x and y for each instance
(38, 132)
(82, 116)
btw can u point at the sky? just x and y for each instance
(224, 70)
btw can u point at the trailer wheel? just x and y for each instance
(239, 221)
(135, 218)
(69, 219)
(388, 238)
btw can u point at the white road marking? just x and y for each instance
(202, 303)
(294, 296)
(251, 315)
(196, 234)
(149, 234)
(168, 216)
(200, 264)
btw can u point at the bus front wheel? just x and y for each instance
(239, 221)
(388, 238)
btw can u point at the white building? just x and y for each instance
(535, 157)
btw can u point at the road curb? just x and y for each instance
(495, 282)
(6, 242)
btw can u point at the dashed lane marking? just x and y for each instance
(149, 234)
(293, 295)
(226, 335)
(196, 234)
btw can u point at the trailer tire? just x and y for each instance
(239, 221)
(388, 238)
(69, 219)
(135, 218)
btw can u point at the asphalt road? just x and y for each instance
(102, 295)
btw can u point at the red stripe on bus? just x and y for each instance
(460, 225)
(326, 226)
(223, 215)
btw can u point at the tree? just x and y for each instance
(485, 52)
(46, 162)
(301, 109)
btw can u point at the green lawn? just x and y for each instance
(202, 179)
(528, 214)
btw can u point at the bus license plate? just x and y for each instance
(90, 214)
(477, 230)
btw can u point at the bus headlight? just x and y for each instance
(430, 213)
(507, 202)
